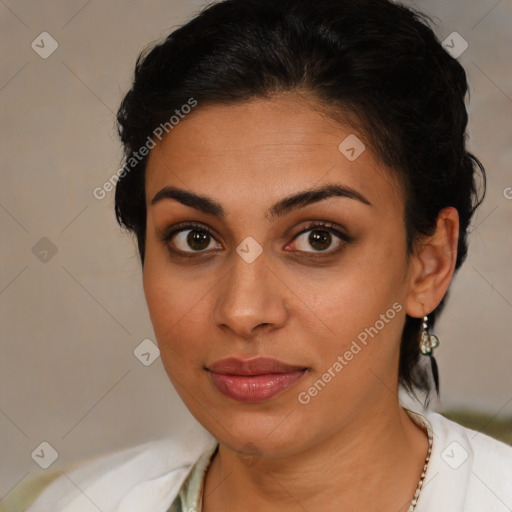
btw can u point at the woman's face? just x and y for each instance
(319, 284)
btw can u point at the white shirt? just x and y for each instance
(467, 472)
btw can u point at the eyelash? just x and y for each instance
(312, 226)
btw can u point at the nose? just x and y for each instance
(251, 299)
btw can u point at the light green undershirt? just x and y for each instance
(189, 498)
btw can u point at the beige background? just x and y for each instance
(70, 325)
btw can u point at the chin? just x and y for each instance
(254, 431)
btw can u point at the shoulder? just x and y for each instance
(484, 451)
(143, 477)
(468, 471)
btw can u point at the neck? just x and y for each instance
(373, 464)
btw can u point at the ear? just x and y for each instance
(433, 265)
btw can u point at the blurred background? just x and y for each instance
(73, 372)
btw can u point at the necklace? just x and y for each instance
(414, 501)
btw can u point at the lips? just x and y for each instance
(258, 366)
(254, 380)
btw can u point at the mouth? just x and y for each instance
(254, 380)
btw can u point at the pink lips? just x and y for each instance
(254, 380)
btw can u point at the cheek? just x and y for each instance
(178, 309)
(359, 356)
(364, 302)
(355, 314)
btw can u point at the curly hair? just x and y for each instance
(375, 61)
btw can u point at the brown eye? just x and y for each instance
(198, 240)
(194, 239)
(318, 240)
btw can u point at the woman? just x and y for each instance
(298, 182)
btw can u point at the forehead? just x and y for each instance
(265, 146)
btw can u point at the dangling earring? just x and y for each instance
(427, 344)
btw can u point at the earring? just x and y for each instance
(427, 342)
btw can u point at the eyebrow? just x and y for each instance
(279, 209)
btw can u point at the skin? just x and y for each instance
(352, 447)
